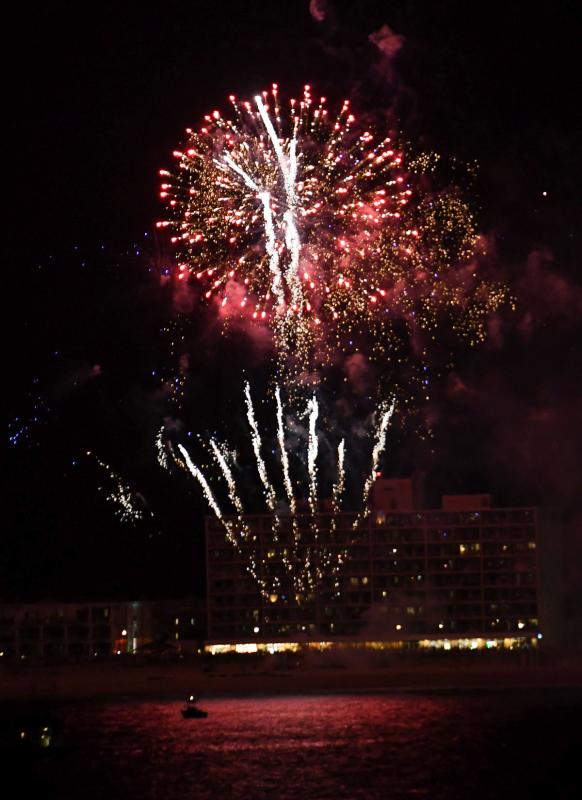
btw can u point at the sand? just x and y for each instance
(129, 678)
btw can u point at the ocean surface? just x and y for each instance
(489, 744)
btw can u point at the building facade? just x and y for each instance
(73, 630)
(464, 575)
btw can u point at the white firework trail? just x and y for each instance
(272, 250)
(287, 477)
(270, 495)
(385, 416)
(339, 485)
(284, 455)
(312, 448)
(239, 171)
(211, 500)
(275, 140)
(220, 459)
(161, 453)
(226, 523)
(309, 560)
(288, 167)
(265, 198)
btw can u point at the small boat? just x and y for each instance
(191, 710)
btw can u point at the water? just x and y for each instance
(517, 744)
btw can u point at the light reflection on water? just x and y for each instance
(316, 747)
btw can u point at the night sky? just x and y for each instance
(97, 102)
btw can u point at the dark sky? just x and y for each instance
(99, 96)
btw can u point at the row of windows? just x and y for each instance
(436, 518)
(37, 632)
(57, 615)
(415, 627)
(513, 538)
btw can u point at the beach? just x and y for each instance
(209, 677)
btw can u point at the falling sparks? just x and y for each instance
(313, 411)
(379, 446)
(305, 563)
(161, 453)
(284, 454)
(130, 505)
(270, 495)
(339, 485)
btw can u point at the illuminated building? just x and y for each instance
(464, 575)
(73, 630)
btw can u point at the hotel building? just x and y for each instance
(464, 575)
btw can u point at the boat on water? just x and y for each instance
(191, 710)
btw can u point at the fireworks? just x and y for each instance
(130, 505)
(324, 229)
(304, 563)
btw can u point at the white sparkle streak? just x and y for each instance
(199, 475)
(227, 524)
(312, 446)
(230, 482)
(274, 267)
(386, 413)
(287, 483)
(256, 440)
(284, 454)
(163, 460)
(338, 487)
(239, 171)
(274, 139)
(271, 244)
(288, 167)
(293, 243)
(292, 239)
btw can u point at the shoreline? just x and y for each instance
(174, 681)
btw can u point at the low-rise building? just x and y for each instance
(73, 630)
